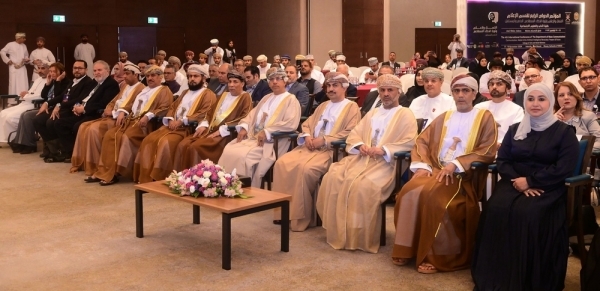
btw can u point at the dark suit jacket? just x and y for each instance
(301, 93)
(519, 98)
(322, 96)
(101, 97)
(473, 65)
(261, 90)
(59, 89)
(368, 103)
(394, 65)
(464, 63)
(213, 84)
(76, 94)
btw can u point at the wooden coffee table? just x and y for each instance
(230, 208)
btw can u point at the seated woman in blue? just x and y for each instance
(522, 240)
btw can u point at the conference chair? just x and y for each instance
(447, 77)
(5, 99)
(576, 189)
(277, 136)
(458, 71)
(446, 88)
(407, 81)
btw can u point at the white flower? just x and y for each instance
(204, 182)
(210, 192)
(220, 174)
(233, 173)
(229, 193)
(223, 181)
(192, 189)
(227, 175)
(195, 178)
(206, 174)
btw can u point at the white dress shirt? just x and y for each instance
(429, 108)
(380, 120)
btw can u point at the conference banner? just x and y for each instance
(549, 26)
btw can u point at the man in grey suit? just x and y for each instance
(219, 85)
(293, 87)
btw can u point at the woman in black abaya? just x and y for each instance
(522, 241)
(415, 91)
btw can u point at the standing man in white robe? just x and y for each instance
(39, 56)
(456, 45)
(86, 52)
(15, 55)
(213, 49)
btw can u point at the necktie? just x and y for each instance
(91, 93)
(220, 88)
(378, 103)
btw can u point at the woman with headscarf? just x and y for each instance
(415, 91)
(556, 62)
(567, 69)
(509, 65)
(229, 56)
(481, 68)
(522, 239)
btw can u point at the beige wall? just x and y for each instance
(275, 35)
(406, 15)
(325, 28)
(276, 27)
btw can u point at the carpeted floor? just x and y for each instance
(59, 233)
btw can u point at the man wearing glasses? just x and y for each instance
(581, 63)
(62, 104)
(588, 79)
(531, 76)
(253, 152)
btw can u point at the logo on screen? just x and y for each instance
(576, 16)
(493, 17)
(568, 17)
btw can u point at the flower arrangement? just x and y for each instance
(205, 179)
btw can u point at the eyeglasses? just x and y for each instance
(581, 65)
(530, 77)
(464, 90)
(78, 68)
(588, 78)
(275, 79)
